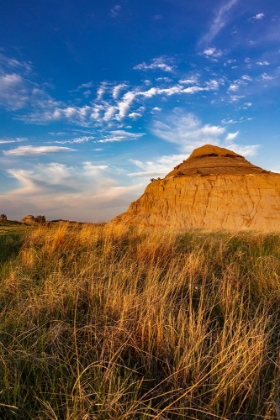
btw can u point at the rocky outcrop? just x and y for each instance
(214, 188)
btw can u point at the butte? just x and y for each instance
(213, 189)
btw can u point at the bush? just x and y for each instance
(3, 218)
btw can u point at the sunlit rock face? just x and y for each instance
(214, 188)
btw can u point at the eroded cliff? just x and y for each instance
(213, 189)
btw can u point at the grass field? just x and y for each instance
(118, 323)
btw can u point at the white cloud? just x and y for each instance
(259, 16)
(13, 91)
(101, 90)
(16, 140)
(159, 167)
(243, 150)
(233, 87)
(235, 98)
(159, 63)
(247, 105)
(189, 81)
(231, 136)
(13, 64)
(212, 52)
(212, 85)
(110, 113)
(125, 104)
(78, 140)
(60, 191)
(135, 115)
(119, 103)
(228, 62)
(163, 79)
(240, 120)
(220, 21)
(36, 150)
(119, 135)
(85, 85)
(263, 63)
(265, 76)
(186, 131)
(117, 89)
(193, 89)
(246, 77)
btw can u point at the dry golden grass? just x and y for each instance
(117, 323)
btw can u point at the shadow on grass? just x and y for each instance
(10, 245)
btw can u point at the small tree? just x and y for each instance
(40, 219)
(3, 218)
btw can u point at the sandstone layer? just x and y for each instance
(213, 189)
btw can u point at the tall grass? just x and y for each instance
(118, 323)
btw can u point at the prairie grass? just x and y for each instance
(100, 322)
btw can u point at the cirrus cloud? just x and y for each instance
(36, 150)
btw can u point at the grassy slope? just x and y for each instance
(125, 324)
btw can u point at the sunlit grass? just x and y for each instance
(117, 323)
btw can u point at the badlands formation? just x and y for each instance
(214, 188)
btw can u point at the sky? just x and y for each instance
(98, 97)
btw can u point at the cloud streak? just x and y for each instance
(220, 21)
(159, 63)
(36, 151)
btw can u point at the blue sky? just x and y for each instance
(98, 97)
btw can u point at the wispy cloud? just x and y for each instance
(13, 91)
(220, 21)
(85, 85)
(115, 11)
(240, 120)
(160, 63)
(36, 150)
(119, 135)
(188, 133)
(77, 140)
(263, 63)
(158, 167)
(114, 104)
(12, 64)
(16, 140)
(247, 78)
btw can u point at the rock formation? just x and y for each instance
(214, 188)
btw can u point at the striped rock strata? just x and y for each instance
(214, 188)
